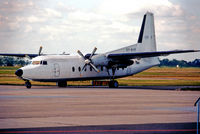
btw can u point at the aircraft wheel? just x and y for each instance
(113, 84)
(28, 84)
(62, 84)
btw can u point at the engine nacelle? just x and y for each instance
(100, 60)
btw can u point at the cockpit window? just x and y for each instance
(39, 62)
(36, 62)
(44, 62)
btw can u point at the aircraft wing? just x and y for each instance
(19, 55)
(121, 56)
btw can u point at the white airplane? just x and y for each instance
(110, 65)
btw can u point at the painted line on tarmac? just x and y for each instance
(99, 131)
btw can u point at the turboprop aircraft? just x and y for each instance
(111, 65)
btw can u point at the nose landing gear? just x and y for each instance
(28, 84)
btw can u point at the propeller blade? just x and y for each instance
(95, 49)
(93, 66)
(40, 50)
(88, 61)
(79, 52)
(83, 69)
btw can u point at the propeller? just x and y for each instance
(40, 50)
(88, 61)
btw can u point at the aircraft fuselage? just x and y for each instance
(56, 68)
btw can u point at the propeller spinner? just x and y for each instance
(88, 61)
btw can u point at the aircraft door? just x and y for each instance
(56, 70)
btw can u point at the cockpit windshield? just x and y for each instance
(39, 62)
(35, 62)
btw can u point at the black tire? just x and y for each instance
(113, 84)
(28, 84)
(62, 84)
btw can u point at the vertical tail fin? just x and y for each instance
(147, 38)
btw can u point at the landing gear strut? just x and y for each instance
(113, 83)
(28, 84)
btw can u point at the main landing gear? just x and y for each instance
(28, 84)
(113, 84)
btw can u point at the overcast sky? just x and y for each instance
(68, 25)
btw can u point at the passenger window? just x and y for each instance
(90, 68)
(79, 69)
(73, 69)
(44, 62)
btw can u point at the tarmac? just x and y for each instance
(96, 110)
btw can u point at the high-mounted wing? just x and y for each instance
(121, 56)
(19, 55)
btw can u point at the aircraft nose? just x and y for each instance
(19, 72)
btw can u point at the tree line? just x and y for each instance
(180, 63)
(14, 61)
